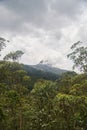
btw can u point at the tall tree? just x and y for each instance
(2, 43)
(14, 55)
(79, 56)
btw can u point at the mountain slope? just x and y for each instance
(49, 68)
(44, 71)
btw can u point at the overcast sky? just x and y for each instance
(43, 29)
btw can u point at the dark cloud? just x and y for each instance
(27, 10)
(45, 14)
(41, 13)
(68, 8)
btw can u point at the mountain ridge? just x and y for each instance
(49, 68)
(44, 71)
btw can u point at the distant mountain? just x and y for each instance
(49, 68)
(44, 71)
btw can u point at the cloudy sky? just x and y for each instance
(43, 29)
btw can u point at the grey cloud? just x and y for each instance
(27, 10)
(68, 8)
(82, 33)
(8, 20)
(44, 14)
(15, 14)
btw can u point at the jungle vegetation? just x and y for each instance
(29, 104)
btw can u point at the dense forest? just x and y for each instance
(39, 104)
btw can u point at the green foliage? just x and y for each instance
(43, 104)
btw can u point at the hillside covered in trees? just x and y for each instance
(27, 103)
(44, 71)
